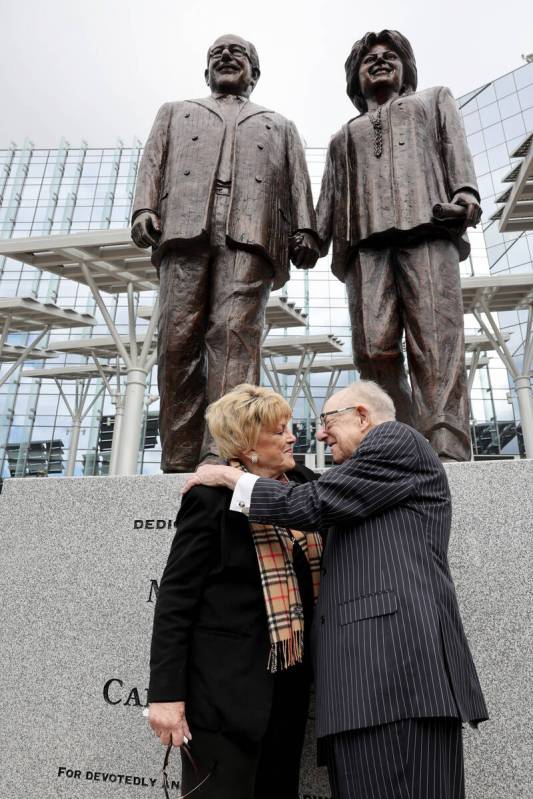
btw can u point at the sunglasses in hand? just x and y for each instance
(200, 776)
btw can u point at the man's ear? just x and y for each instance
(206, 76)
(364, 415)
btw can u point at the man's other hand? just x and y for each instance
(167, 719)
(303, 250)
(211, 475)
(473, 209)
(146, 230)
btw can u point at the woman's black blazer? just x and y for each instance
(210, 642)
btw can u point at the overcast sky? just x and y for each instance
(98, 70)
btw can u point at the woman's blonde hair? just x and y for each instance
(236, 419)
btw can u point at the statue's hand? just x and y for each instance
(146, 230)
(473, 208)
(303, 250)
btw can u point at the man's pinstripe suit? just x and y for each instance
(389, 643)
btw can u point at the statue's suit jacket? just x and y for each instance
(270, 190)
(429, 161)
(388, 639)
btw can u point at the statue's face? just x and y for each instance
(229, 67)
(380, 68)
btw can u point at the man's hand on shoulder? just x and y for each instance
(303, 249)
(212, 475)
(146, 230)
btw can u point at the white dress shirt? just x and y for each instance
(242, 493)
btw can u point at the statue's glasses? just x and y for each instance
(324, 421)
(236, 50)
(201, 776)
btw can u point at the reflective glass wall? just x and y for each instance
(497, 118)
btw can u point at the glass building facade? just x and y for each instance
(497, 118)
(73, 189)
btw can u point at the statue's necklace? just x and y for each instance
(375, 120)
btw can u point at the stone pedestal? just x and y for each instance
(81, 560)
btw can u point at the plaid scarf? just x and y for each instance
(281, 593)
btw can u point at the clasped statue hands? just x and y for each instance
(303, 249)
(146, 230)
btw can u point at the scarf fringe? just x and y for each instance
(284, 654)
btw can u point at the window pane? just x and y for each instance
(524, 76)
(487, 96)
(489, 115)
(476, 142)
(485, 186)
(481, 164)
(498, 156)
(494, 135)
(514, 127)
(504, 86)
(528, 118)
(509, 106)
(472, 122)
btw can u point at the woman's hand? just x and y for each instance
(167, 720)
(211, 475)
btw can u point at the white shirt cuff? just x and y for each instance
(242, 494)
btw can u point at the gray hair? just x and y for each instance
(380, 405)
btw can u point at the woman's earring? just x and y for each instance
(254, 457)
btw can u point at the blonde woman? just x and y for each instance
(229, 668)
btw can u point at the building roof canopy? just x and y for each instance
(517, 212)
(102, 346)
(319, 366)
(280, 313)
(105, 346)
(12, 352)
(81, 372)
(25, 314)
(508, 292)
(297, 345)
(481, 343)
(111, 257)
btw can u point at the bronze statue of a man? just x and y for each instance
(386, 171)
(223, 197)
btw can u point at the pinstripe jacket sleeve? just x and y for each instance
(379, 475)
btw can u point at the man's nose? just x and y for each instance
(321, 434)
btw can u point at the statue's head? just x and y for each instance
(378, 60)
(232, 65)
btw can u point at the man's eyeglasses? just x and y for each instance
(235, 49)
(324, 416)
(200, 777)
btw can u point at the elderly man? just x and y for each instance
(386, 171)
(222, 187)
(393, 670)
